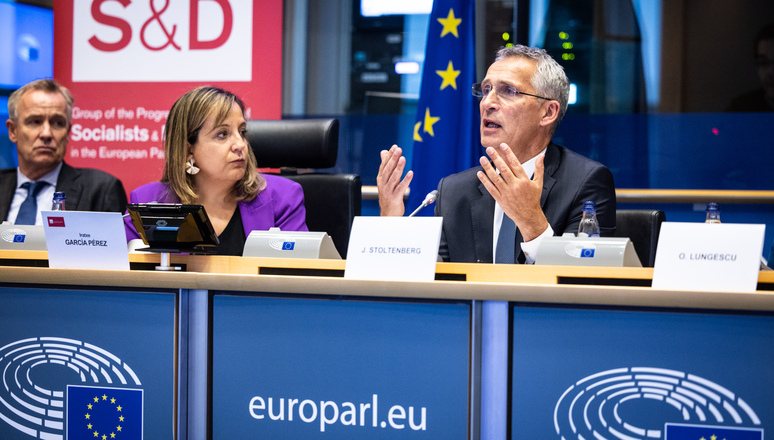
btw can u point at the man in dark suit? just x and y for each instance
(40, 117)
(538, 185)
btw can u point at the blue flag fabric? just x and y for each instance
(446, 133)
(104, 413)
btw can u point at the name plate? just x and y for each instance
(711, 257)
(85, 240)
(585, 251)
(393, 248)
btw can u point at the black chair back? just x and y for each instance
(642, 227)
(332, 200)
(294, 143)
(332, 203)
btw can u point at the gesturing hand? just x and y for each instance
(388, 181)
(514, 191)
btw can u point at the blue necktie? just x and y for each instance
(506, 242)
(28, 211)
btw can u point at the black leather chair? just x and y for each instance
(332, 200)
(642, 227)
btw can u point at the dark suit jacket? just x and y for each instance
(570, 179)
(86, 189)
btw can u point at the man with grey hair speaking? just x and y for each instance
(527, 188)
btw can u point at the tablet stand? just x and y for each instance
(165, 263)
(165, 253)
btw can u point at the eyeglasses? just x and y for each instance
(505, 92)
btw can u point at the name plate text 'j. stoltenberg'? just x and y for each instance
(393, 248)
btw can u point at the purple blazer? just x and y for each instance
(280, 204)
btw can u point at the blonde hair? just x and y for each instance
(181, 130)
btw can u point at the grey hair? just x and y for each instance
(549, 79)
(44, 85)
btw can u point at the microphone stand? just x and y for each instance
(429, 199)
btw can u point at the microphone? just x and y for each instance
(429, 199)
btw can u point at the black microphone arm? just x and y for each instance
(429, 199)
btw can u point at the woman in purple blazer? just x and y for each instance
(209, 162)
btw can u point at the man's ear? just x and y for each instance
(550, 113)
(11, 130)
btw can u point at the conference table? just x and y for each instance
(232, 347)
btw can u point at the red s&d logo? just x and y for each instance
(162, 40)
(56, 222)
(156, 19)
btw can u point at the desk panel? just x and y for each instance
(344, 369)
(330, 309)
(61, 348)
(626, 374)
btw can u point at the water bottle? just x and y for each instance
(713, 213)
(59, 201)
(589, 226)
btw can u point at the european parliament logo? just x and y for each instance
(13, 235)
(57, 388)
(580, 250)
(282, 244)
(643, 403)
(103, 413)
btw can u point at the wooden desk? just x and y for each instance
(484, 273)
(551, 284)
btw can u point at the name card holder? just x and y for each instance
(22, 237)
(584, 251)
(275, 243)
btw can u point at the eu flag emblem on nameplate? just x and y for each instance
(587, 253)
(104, 413)
(695, 432)
(288, 245)
(19, 238)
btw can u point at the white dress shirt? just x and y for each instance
(45, 196)
(528, 247)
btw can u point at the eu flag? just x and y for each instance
(697, 432)
(104, 413)
(446, 135)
